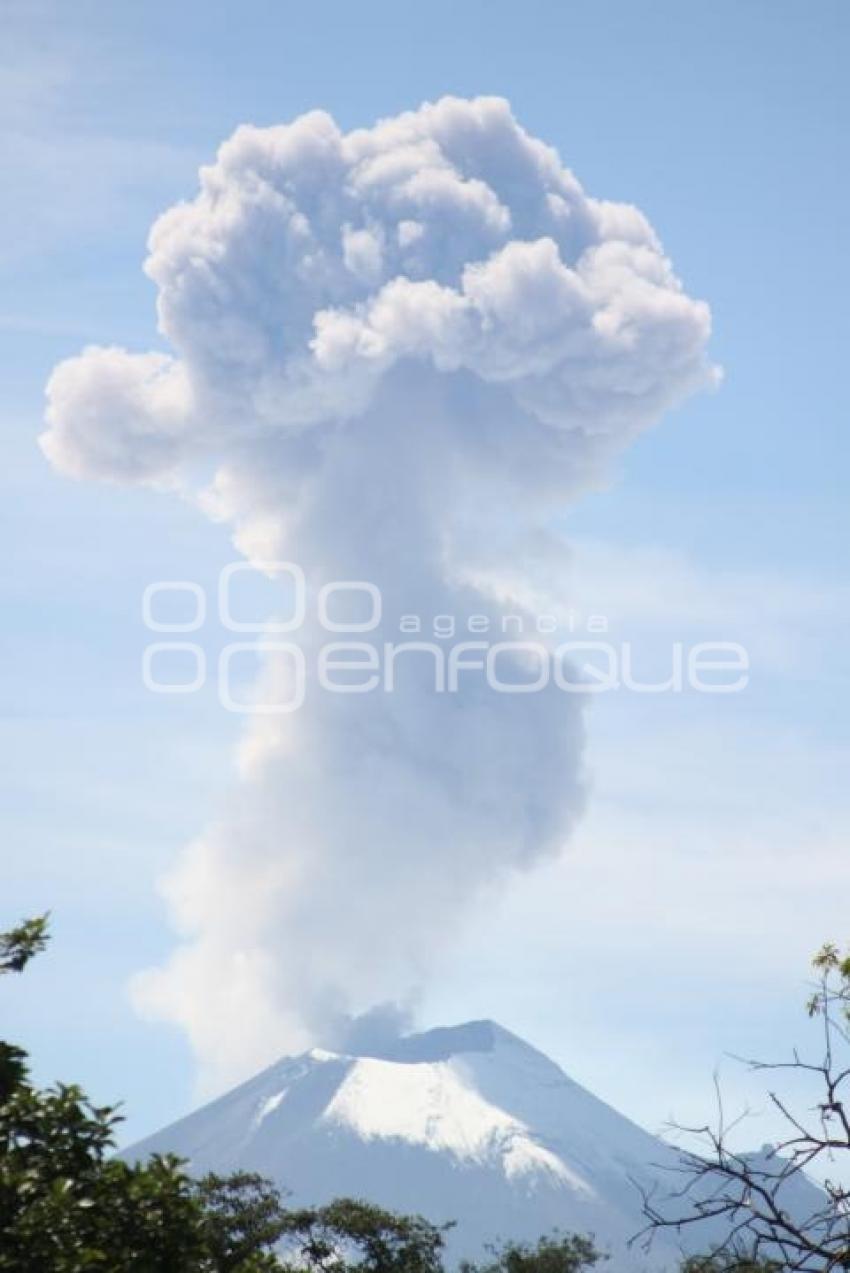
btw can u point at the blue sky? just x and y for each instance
(713, 856)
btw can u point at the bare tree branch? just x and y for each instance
(762, 1209)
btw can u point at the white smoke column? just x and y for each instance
(403, 348)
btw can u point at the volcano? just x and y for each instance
(467, 1124)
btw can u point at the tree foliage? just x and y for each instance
(241, 1218)
(350, 1234)
(18, 945)
(729, 1262)
(554, 1253)
(67, 1205)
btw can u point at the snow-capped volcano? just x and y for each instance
(468, 1124)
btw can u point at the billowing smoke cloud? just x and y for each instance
(401, 348)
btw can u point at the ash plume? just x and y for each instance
(401, 349)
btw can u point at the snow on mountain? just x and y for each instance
(466, 1123)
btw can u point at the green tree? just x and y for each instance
(349, 1234)
(242, 1220)
(732, 1262)
(18, 945)
(68, 1206)
(555, 1253)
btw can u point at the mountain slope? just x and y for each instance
(468, 1124)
